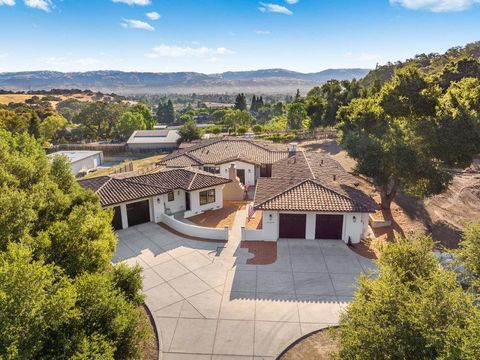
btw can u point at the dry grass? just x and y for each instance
(6, 99)
(319, 346)
(149, 346)
(139, 166)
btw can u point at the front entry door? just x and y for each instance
(241, 175)
(187, 201)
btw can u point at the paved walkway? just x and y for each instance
(210, 305)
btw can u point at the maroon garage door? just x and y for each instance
(329, 227)
(292, 226)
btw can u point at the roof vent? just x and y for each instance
(334, 177)
(321, 162)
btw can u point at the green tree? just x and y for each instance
(36, 301)
(144, 110)
(235, 118)
(389, 137)
(51, 125)
(241, 102)
(127, 124)
(469, 255)
(410, 309)
(189, 132)
(297, 115)
(98, 119)
(60, 297)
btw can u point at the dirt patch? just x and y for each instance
(265, 252)
(318, 346)
(255, 222)
(365, 249)
(149, 346)
(219, 218)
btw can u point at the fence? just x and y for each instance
(108, 149)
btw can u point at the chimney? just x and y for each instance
(232, 172)
(292, 149)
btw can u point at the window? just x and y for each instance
(212, 169)
(207, 197)
(171, 196)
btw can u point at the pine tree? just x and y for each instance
(253, 106)
(241, 102)
(169, 113)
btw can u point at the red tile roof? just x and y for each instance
(221, 150)
(305, 195)
(114, 191)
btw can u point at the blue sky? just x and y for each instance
(220, 35)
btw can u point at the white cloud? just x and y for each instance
(231, 33)
(436, 5)
(45, 5)
(186, 52)
(137, 24)
(7, 2)
(262, 32)
(153, 15)
(134, 2)
(274, 8)
(291, 2)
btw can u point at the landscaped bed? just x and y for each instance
(318, 346)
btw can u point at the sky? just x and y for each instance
(213, 36)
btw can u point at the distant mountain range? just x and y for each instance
(270, 81)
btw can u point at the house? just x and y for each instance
(252, 159)
(153, 141)
(310, 196)
(305, 195)
(81, 161)
(147, 198)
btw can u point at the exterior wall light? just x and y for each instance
(158, 200)
(354, 219)
(270, 217)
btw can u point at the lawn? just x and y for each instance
(139, 166)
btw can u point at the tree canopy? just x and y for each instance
(399, 135)
(410, 309)
(60, 297)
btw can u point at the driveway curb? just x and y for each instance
(156, 329)
(289, 347)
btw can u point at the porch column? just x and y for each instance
(123, 212)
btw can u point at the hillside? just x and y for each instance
(270, 81)
(430, 64)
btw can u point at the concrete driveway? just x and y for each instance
(209, 304)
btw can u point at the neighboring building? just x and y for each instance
(81, 161)
(153, 141)
(146, 198)
(301, 194)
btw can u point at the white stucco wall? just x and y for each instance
(196, 231)
(249, 171)
(196, 208)
(88, 163)
(356, 230)
(178, 203)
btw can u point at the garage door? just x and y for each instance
(292, 226)
(117, 218)
(329, 227)
(138, 213)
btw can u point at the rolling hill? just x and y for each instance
(268, 81)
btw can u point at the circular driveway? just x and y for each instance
(211, 305)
